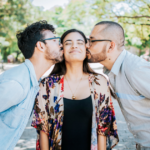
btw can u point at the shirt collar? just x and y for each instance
(116, 67)
(32, 72)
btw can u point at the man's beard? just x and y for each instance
(97, 57)
(55, 57)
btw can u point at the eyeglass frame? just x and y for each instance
(97, 41)
(52, 39)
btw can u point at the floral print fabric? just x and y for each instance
(49, 111)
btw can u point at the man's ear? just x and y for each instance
(40, 46)
(111, 47)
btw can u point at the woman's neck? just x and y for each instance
(74, 71)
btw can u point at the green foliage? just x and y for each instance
(14, 15)
(133, 15)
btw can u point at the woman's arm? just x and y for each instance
(44, 142)
(101, 142)
(106, 124)
(40, 118)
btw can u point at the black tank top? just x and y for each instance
(77, 124)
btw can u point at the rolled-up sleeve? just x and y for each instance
(140, 78)
(41, 111)
(11, 93)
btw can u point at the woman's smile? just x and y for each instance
(75, 51)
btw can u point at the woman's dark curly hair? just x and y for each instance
(28, 38)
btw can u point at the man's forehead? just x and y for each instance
(96, 31)
(48, 34)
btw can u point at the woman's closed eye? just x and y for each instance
(68, 43)
(80, 43)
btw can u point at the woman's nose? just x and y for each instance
(74, 45)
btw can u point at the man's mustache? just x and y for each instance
(90, 57)
(88, 53)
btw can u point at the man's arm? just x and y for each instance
(140, 79)
(11, 93)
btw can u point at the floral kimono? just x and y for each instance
(49, 111)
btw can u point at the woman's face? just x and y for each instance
(74, 47)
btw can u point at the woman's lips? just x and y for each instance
(75, 51)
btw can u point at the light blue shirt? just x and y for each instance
(18, 89)
(130, 78)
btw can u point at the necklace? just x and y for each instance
(73, 97)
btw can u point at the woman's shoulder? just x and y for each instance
(102, 80)
(54, 78)
(99, 77)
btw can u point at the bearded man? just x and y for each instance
(19, 86)
(129, 76)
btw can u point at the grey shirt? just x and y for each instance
(130, 78)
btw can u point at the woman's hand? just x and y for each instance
(101, 142)
(44, 141)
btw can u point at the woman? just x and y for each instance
(73, 110)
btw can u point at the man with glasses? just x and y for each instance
(19, 86)
(129, 76)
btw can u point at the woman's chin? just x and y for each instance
(76, 59)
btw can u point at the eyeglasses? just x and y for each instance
(91, 41)
(53, 39)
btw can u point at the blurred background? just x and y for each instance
(133, 15)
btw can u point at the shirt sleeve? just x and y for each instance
(106, 119)
(11, 93)
(41, 110)
(140, 78)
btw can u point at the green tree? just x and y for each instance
(133, 15)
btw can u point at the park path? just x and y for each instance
(126, 141)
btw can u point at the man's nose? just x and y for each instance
(61, 46)
(87, 45)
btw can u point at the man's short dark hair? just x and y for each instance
(112, 24)
(28, 38)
